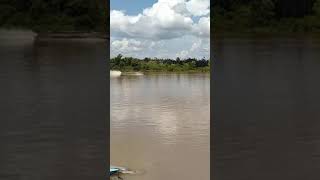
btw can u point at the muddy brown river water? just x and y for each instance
(160, 125)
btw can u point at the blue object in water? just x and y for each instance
(116, 170)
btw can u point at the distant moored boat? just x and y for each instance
(115, 73)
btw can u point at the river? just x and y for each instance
(266, 108)
(160, 125)
(53, 107)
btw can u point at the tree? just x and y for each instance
(316, 8)
(262, 11)
(293, 8)
(55, 15)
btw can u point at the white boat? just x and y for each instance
(115, 73)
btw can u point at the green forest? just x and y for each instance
(54, 15)
(267, 16)
(127, 64)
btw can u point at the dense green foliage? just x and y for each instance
(54, 15)
(147, 64)
(266, 15)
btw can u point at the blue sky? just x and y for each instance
(160, 28)
(131, 6)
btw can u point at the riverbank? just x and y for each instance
(55, 16)
(248, 34)
(73, 34)
(272, 29)
(267, 17)
(202, 70)
(307, 25)
(130, 64)
(52, 35)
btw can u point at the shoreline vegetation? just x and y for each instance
(130, 64)
(266, 17)
(73, 34)
(55, 35)
(56, 18)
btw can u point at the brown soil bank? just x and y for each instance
(74, 34)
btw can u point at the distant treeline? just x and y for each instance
(54, 15)
(266, 15)
(169, 65)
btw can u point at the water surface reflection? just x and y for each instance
(160, 125)
(53, 108)
(266, 101)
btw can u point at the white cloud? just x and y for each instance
(199, 49)
(196, 45)
(183, 54)
(202, 28)
(158, 22)
(183, 47)
(165, 21)
(127, 45)
(198, 7)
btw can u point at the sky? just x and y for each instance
(160, 28)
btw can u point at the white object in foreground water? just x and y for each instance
(120, 170)
(115, 73)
